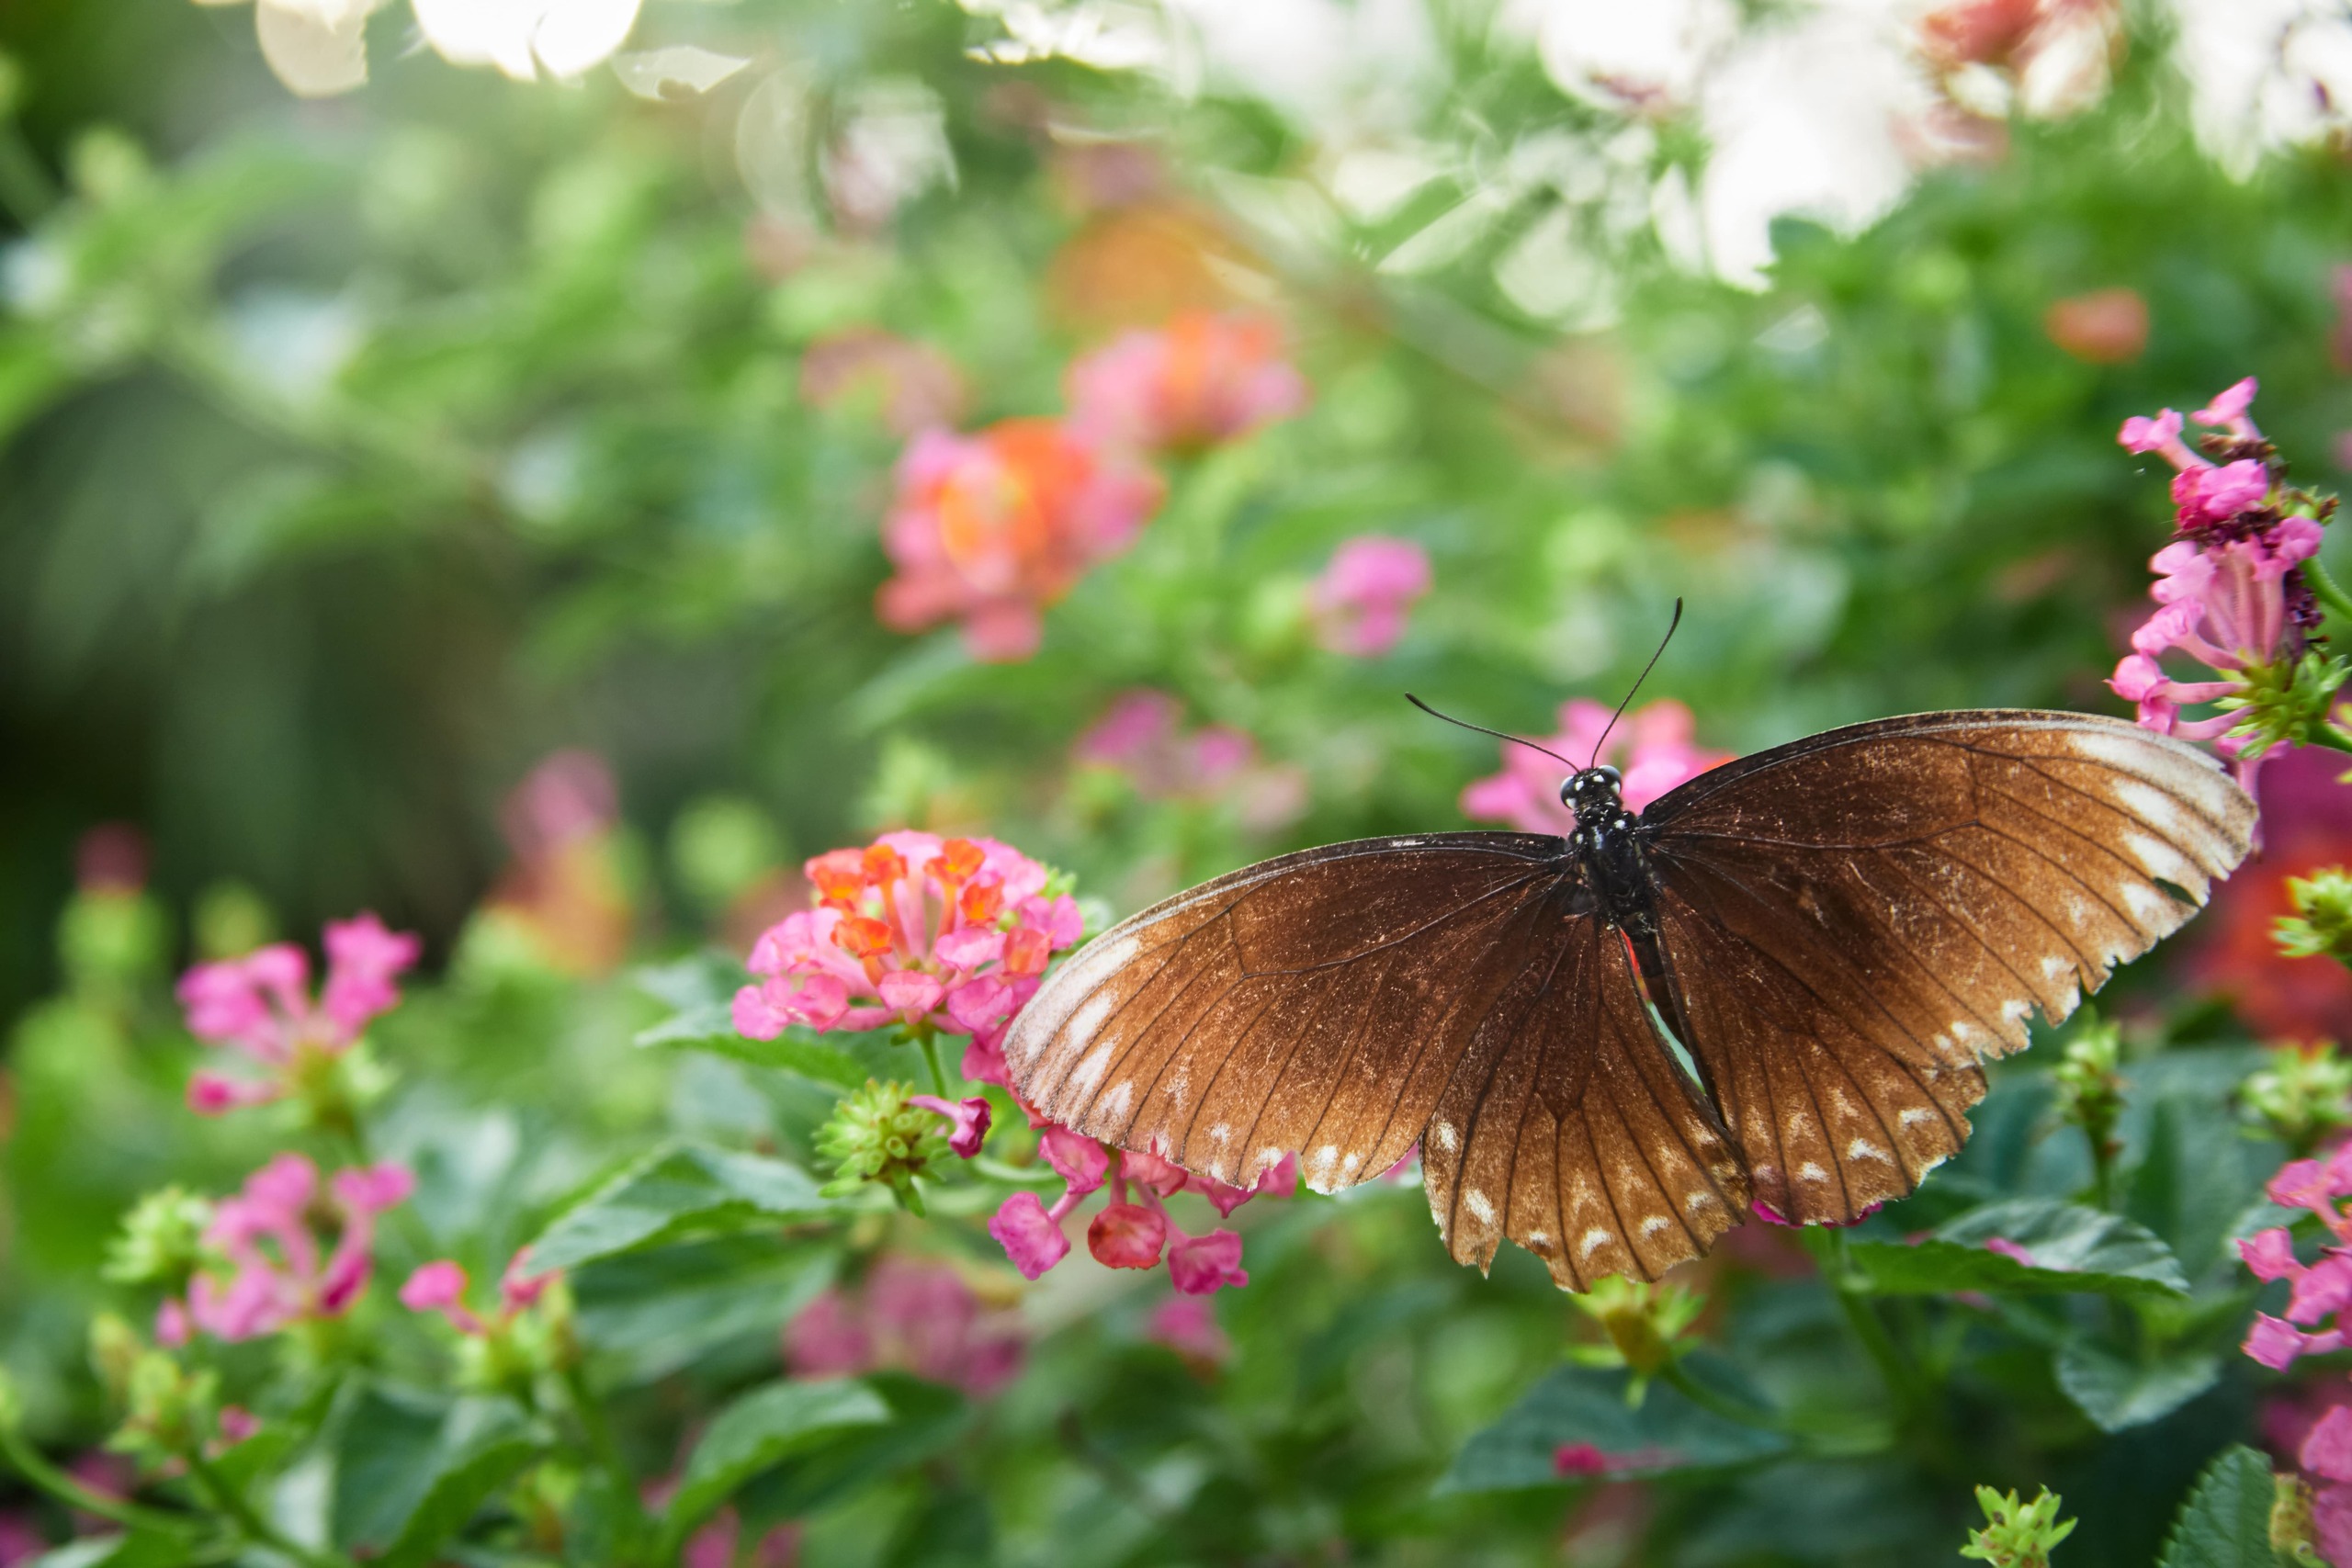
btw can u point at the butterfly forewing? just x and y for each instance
(1852, 923)
(1311, 1004)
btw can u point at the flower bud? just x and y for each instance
(2017, 1535)
(161, 1241)
(1647, 1325)
(115, 1348)
(876, 1134)
(2090, 1086)
(2302, 1095)
(2322, 923)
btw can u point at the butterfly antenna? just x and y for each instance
(1514, 739)
(1637, 682)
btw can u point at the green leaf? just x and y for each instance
(760, 1431)
(649, 1313)
(1587, 1405)
(924, 1419)
(2117, 1393)
(2074, 1248)
(135, 1548)
(2226, 1521)
(411, 1473)
(674, 1193)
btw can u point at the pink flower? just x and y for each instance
(2328, 1450)
(441, 1287)
(951, 933)
(2161, 433)
(1360, 602)
(1188, 1325)
(1140, 738)
(1653, 747)
(260, 1005)
(2270, 1255)
(2228, 410)
(1201, 379)
(970, 1117)
(2204, 495)
(2322, 1289)
(990, 529)
(1077, 1159)
(1198, 1265)
(1127, 1235)
(275, 1236)
(913, 1316)
(1030, 1233)
(2276, 1343)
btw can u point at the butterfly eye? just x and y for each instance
(1608, 775)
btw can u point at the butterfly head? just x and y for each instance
(1591, 794)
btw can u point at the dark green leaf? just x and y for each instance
(674, 1193)
(760, 1431)
(649, 1314)
(1586, 1405)
(410, 1472)
(2072, 1248)
(2226, 1521)
(2117, 1393)
(924, 1419)
(712, 1027)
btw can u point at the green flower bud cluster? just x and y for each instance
(2302, 1095)
(2320, 926)
(160, 1242)
(2286, 704)
(874, 1135)
(2017, 1535)
(171, 1410)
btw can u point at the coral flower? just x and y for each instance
(990, 529)
(1204, 377)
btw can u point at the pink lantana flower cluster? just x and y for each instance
(918, 1316)
(950, 935)
(990, 528)
(295, 1249)
(1134, 1230)
(261, 1006)
(1359, 604)
(1204, 377)
(1653, 749)
(2230, 590)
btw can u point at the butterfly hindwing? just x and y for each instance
(1569, 1130)
(1852, 923)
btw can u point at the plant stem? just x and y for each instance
(2332, 738)
(30, 1463)
(2324, 589)
(249, 1521)
(601, 1443)
(931, 1057)
(1716, 1403)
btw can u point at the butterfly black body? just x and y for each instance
(1837, 932)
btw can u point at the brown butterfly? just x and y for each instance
(1839, 932)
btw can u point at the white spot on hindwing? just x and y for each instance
(1477, 1202)
(1114, 1104)
(1089, 1071)
(1593, 1241)
(1447, 1138)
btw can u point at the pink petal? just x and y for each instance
(977, 1004)
(2270, 1255)
(970, 1117)
(1199, 1265)
(2328, 1450)
(434, 1286)
(984, 1060)
(1163, 1177)
(1030, 1237)
(1079, 1160)
(373, 1188)
(969, 947)
(910, 993)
